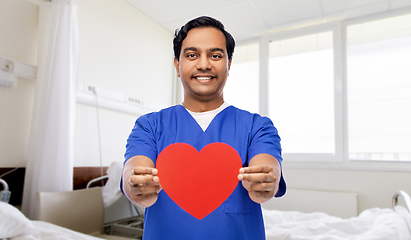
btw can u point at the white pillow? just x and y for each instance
(13, 222)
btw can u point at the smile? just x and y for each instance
(203, 78)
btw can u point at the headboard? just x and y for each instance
(15, 180)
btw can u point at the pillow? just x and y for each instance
(13, 222)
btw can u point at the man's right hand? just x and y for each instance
(140, 181)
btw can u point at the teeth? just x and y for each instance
(203, 78)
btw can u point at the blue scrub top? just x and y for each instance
(238, 217)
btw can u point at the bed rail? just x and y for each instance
(406, 198)
(96, 180)
(5, 186)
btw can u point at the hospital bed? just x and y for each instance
(117, 207)
(372, 224)
(15, 226)
(78, 214)
(98, 211)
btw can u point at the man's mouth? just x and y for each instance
(203, 78)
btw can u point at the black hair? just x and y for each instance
(203, 21)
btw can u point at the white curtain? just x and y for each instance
(50, 158)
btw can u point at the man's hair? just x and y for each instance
(204, 21)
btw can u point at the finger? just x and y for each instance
(143, 197)
(262, 187)
(144, 190)
(140, 179)
(257, 169)
(264, 194)
(258, 177)
(144, 170)
(240, 177)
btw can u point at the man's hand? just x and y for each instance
(140, 181)
(261, 178)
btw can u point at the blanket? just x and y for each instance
(372, 224)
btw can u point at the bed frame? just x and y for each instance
(405, 197)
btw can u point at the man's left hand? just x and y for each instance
(261, 178)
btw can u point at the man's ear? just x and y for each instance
(177, 66)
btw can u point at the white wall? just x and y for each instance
(120, 49)
(124, 51)
(18, 40)
(374, 188)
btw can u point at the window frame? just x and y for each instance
(335, 28)
(372, 164)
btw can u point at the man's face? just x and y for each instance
(203, 65)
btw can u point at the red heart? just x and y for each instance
(199, 182)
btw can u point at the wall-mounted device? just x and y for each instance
(11, 69)
(7, 77)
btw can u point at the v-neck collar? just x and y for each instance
(218, 110)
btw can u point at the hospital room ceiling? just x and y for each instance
(247, 19)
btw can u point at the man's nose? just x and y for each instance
(203, 63)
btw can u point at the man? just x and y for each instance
(203, 51)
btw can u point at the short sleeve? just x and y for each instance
(142, 139)
(265, 139)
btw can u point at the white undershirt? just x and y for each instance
(204, 118)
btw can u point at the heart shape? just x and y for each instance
(199, 182)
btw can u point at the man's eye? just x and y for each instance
(215, 56)
(191, 55)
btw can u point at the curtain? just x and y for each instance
(50, 155)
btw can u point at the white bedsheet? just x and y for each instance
(48, 231)
(372, 224)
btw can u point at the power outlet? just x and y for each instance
(90, 89)
(134, 101)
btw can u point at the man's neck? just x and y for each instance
(198, 106)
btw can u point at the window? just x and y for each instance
(301, 92)
(379, 89)
(339, 93)
(242, 87)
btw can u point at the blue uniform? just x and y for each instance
(238, 217)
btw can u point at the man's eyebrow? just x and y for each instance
(210, 50)
(216, 50)
(190, 49)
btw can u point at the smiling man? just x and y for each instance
(203, 67)
(203, 51)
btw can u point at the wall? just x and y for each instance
(119, 51)
(374, 188)
(18, 40)
(124, 51)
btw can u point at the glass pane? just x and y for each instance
(242, 87)
(379, 90)
(301, 93)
